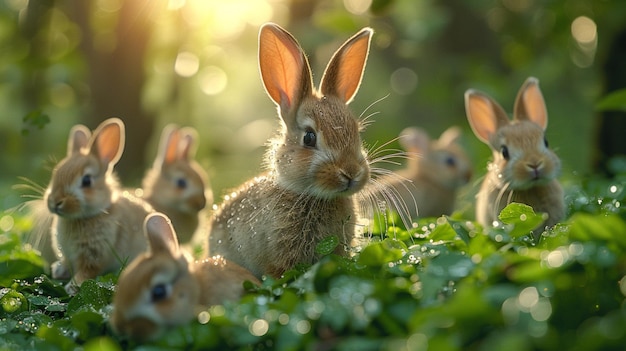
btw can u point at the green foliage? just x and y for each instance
(615, 101)
(446, 284)
(34, 119)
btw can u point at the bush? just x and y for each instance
(446, 284)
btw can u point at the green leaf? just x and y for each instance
(12, 301)
(93, 295)
(382, 252)
(615, 101)
(604, 227)
(88, 324)
(521, 217)
(460, 229)
(102, 344)
(327, 245)
(54, 336)
(443, 232)
(36, 119)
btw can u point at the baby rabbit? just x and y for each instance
(162, 288)
(523, 169)
(176, 185)
(435, 169)
(96, 228)
(315, 165)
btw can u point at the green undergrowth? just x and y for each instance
(445, 284)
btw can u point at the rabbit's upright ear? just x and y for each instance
(161, 235)
(344, 72)
(187, 148)
(415, 140)
(485, 115)
(530, 105)
(78, 140)
(450, 136)
(107, 143)
(168, 145)
(284, 69)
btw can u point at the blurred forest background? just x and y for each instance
(194, 62)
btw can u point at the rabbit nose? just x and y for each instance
(535, 168)
(467, 176)
(198, 202)
(58, 206)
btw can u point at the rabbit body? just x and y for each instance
(176, 185)
(435, 170)
(523, 169)
(164, 288)
(96, 227)
(283, 229)
(316, 163)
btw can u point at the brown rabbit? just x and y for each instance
(434, 172)
(523, 169)
(96, 228)
(315, 165)
(163, 288)
(176, 185)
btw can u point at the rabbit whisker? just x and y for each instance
(370, 106)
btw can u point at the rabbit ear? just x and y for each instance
(187, 149)
(161, 234)
(79, 139)
(344, 72)
(169, 144)
(107, 143)
(450, 136)
(530, 105)
(485, 115)
(284, 68)
(414, 140)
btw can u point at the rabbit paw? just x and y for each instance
(71, 288)
(60, 271)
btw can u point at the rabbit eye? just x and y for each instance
(159, 292)
(181, 183)
(450, 161)
(505, 152)
(86, 181)
(545, 142)
(310, 139)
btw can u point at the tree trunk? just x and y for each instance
(610, 138)
(116, 78)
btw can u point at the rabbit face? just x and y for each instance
(451, 166)
(178, 187)
(522, 158)
(75, 195)
(329, 160)
(167, 297)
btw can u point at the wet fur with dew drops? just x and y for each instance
(96, 227)
(316, 165)
(524, 169)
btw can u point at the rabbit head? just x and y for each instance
(441, 161)
(521, 156)
(157, 289)
(176, 182)
(82, 183)
(319, 151)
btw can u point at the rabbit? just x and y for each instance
(435, 170)
(176, 185)
(524, 169)
(96, 227)
(163, 288)
(314, 166)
